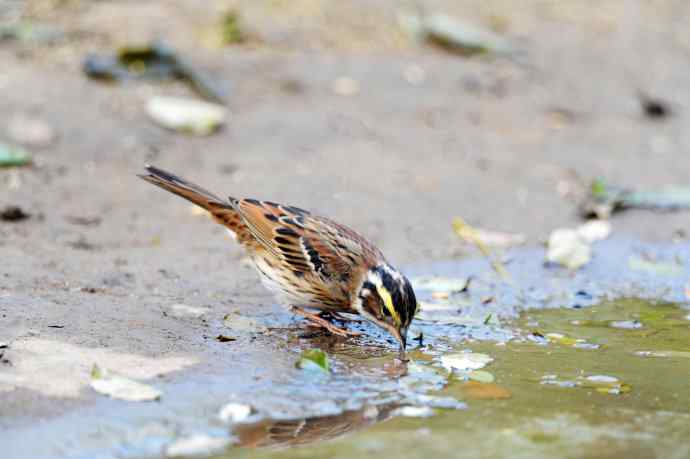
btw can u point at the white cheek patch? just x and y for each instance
(393, 273)
(375, 279)
(232, 234)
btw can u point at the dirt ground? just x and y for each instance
(494, 140)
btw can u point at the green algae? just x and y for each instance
(648, 417)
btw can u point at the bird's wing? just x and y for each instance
(309, 246)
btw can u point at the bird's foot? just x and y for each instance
(330, 316)
(319, 321)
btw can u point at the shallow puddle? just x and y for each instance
(626, 393)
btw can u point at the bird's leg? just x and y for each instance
(323, 323)
(330, 315)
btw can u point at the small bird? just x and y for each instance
(309, 261)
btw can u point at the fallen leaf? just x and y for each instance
(602, 379)
(668, 354)
(567, 248)
(475, 390)
(465, 361)
(471, 235)
(13, 156)
(625, 324)
(604, 199)
(186, 115)
(459, 36)
(314, 359)
(497, 239)
(435, 401)
(603, 384)
(121, 388)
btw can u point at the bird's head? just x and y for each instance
(386, 298)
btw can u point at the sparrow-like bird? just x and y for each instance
(309, 261)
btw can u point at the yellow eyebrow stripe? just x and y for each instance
(388, 302)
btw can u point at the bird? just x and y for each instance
(310, 262)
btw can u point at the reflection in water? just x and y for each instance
(625, 397)
(278, 434)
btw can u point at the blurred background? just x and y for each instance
(392, 117)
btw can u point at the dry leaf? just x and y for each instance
(119, 387)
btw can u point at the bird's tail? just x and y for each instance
(221, 209)
(182, 187)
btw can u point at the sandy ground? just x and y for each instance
(491, 140)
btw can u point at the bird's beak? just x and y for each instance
(401, 336)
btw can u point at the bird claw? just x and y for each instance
(318, 321)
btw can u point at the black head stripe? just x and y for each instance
(395, 289)
(410, 301)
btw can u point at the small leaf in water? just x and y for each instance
(475, 390)
(561, 339)
(435, 401)
(414, 411)
(564, 340)
(602, 379)
(13, 156)
(235, 412)
(481, 376)
(119, 387)
(668, 354)
(314, 359)
(603, 384)
(625, 324)
(465, 361)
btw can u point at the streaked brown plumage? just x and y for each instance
(308, 260)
